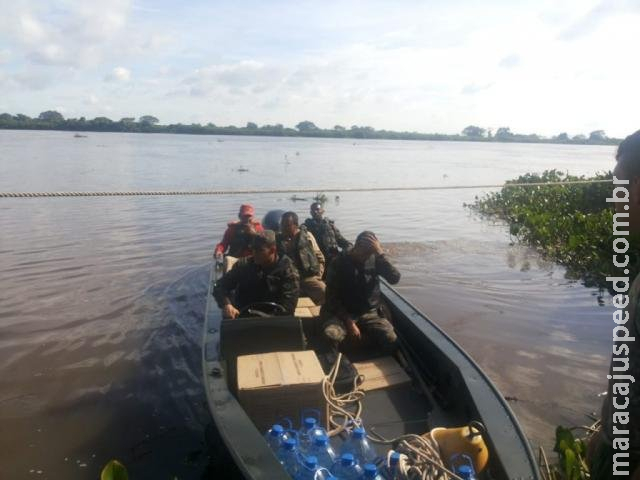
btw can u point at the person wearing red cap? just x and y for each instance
(236, 241)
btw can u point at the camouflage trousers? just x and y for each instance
(313, 287)
(373, 328)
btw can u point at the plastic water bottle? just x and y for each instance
(462, 465)
(309, 430)
(370, 472)
(321, 449)
(359, 446)
(466, 472)
(275, 437)
(288, 456)
(392, 470)
(346, 468)
(308, 469)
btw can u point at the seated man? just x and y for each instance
(264, 277)
(236, 241)
(329, 238)
(299, 245)
(352, 305)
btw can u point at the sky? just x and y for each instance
(544, 66)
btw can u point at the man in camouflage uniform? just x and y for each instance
(609, 454)
(301, 246)
(266, 276)
(329, 238)
(353, 305)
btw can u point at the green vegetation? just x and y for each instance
(571, 458)
(52, 120)
(114, 470)
(571, 224)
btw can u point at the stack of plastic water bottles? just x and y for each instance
(306, 454)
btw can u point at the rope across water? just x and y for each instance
(152, 193)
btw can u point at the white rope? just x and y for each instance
(341, 407)
(152, 193)
(420, 457)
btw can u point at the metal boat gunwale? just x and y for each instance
(457, 349)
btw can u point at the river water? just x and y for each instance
(102, 299)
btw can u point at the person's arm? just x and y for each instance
(342, 242)
(384, 267)
(226, 239)
(223, 288)
(290, 290)
(317, 252)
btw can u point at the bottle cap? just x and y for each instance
(394, 459)
(359, 433)
(290, 443)
(321, 439)
(370, 470)
(311, 461)
(276, 430)
(346, 459)
(465, 471)
(309, 422)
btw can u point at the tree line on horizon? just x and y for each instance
(53, 120)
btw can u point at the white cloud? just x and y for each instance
(5, 56)
(436, 67)
(118, 74)
(91, 100)
(510, 61)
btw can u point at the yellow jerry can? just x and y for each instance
(463, 440)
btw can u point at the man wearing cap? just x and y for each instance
(236, 241)
(352, 306)
(329, 238)
(265, 276)
(299, 245)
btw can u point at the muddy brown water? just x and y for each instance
(102, 299)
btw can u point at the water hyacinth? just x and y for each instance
(571, 224)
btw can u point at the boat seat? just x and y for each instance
(249, 336)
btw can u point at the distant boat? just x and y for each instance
(242, 169)
(79, 135)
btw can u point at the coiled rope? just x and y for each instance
(420, 456)
(152, 193)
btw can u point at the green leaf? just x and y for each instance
(114, 470)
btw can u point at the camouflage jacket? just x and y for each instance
(251, 283)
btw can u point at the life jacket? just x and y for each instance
(303, 255)
(241, 237)
(324, 233)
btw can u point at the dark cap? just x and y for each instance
(366, 237)
(264, 239)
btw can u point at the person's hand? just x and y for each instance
(376, 247)
(370, 244)
(353, 330)
(229, 311)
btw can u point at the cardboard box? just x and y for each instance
(303, 312)
(305, 302)
(277, 385)
(382, 372)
